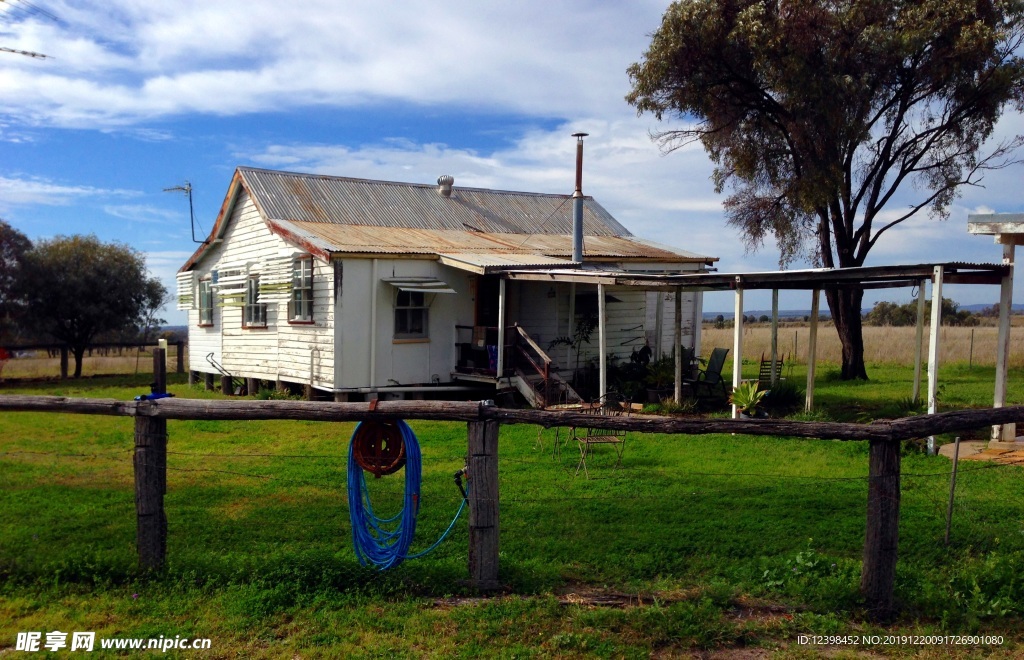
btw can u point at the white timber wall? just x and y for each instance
(281, 350)
(202, 341)
(631, 322)
(396, 361)
(689, 309)
(625, 323)
(543, 317)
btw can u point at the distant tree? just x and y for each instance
(720, 321)
(76, 288)
(13, 246)
(990, 311)
(891, 314)
(764, 318)
(154, 298)
(816, 114)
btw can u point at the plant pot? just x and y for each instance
(655, 395)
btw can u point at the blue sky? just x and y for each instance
(138, 96)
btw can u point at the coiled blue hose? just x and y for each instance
(384, 542)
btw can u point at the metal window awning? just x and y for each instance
(421, 284)
(486, 263)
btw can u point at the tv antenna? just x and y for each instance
(187, 189)
(28, 53)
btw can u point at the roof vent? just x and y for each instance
(444, 185)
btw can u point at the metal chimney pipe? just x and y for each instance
(577, 202)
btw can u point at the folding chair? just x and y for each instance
(609, 405)
(710, 378)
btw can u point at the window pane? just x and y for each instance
(416, 321)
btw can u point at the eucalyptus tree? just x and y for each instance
(816, 113)
(13, 246)
(76, 287)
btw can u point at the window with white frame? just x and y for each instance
(411, 315)
(205, 302)
(254, 313)
(300, 307)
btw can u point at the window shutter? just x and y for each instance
(230, 284)
(276, 280)
(186, 290)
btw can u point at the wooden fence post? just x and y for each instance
(208, 382)
(63, 362)
(181, 357)
(150, 463)
(226, 385)
(483, 504)
(878, 574)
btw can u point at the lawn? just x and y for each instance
(697, 543)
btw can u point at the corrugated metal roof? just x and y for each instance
(340, 200)
(358, 239)
(489, 262)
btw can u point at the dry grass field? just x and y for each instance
(882, 345)
(131, 361)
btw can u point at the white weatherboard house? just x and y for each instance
(363, 288)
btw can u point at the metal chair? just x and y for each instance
(611, 404)
(710, 378)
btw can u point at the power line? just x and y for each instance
(27, 8)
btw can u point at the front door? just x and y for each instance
(487, 301)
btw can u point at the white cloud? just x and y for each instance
(124, 61)
(142, 213)
(19, 191)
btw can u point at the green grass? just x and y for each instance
(704, 530)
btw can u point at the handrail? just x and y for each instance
(529, 340)
(543, 372)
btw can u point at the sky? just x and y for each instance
(137, 96)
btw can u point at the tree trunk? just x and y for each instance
(845, 305)
(79, 352)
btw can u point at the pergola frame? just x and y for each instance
(1008, 230)
(814, 280)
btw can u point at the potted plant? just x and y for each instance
(661, 379)
(746, 397)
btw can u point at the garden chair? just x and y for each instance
(709, 379)
(764, 376)
(611, 404)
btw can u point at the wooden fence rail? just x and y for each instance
(905, 428)
(484, 419)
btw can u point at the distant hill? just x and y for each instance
(783, 314)
(1018, 308)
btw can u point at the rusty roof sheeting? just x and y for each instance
(323, 199)
(360, 239)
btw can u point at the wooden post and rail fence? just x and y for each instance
(484, 420)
